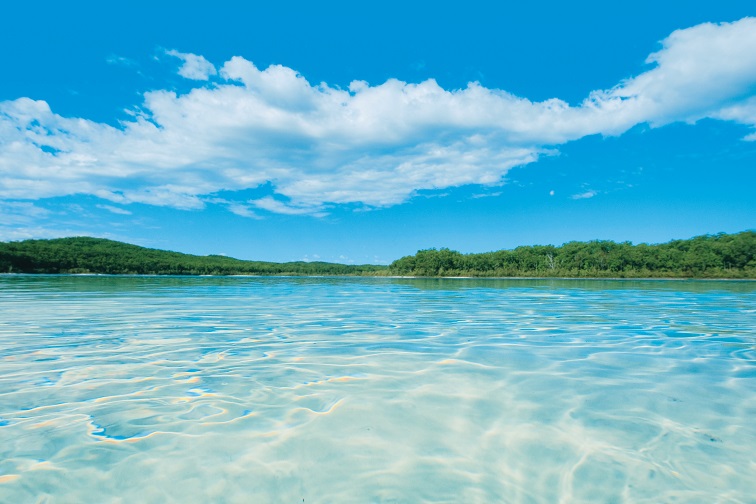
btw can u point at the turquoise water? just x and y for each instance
(154, 389)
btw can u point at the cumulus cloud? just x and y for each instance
(195, 67)
(699, 72)
(318, 146)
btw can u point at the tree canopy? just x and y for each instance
(709, 256)
(96, 255)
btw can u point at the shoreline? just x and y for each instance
(392, 277)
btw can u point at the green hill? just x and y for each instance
(96, 255)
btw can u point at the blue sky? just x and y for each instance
(362, 133)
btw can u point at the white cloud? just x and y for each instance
(486, 195)
(699, 72)
(242, 210)
(275, 206)
(371, 146)
(584, 195)
(195, 67)
(115, 210)
(114, 59)
(21, 212)
(22, 220)
(10, 233)
(743, 112)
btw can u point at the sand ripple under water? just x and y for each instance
(148, 389)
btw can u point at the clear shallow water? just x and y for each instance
(148, 389)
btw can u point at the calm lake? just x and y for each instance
(321, 390)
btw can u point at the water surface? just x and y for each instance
(159, 389)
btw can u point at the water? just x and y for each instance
(153, 389)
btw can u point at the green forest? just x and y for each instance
(710, 256)
(96, 255)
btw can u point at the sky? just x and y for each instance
(363, 132)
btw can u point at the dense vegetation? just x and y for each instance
(94, 255)
(710, 256)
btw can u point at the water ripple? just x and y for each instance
(156, 389)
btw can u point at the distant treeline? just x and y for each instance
(710, 256)
(95, 255)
